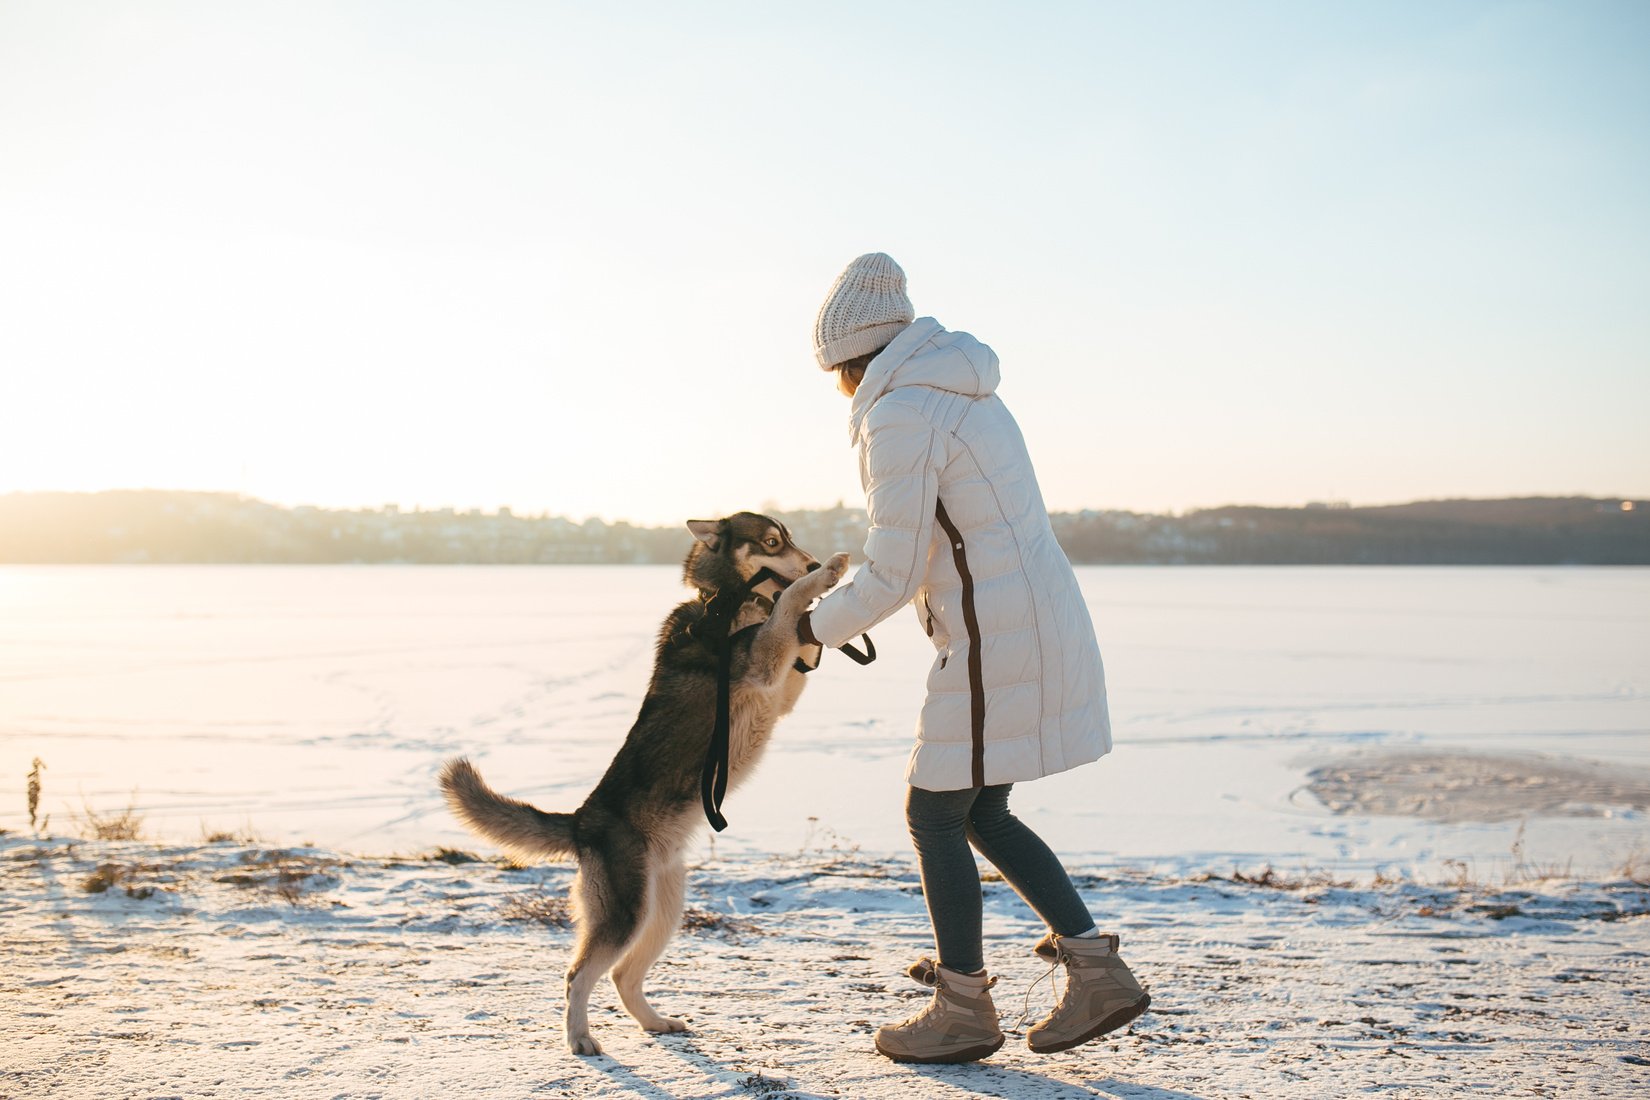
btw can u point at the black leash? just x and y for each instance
(713, 779)
(856, 656)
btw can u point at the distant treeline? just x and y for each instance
(174, 527)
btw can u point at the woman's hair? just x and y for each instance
(851, 372)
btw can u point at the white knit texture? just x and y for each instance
(866, 308)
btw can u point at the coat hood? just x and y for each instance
(925, 354)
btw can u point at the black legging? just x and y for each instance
(943, 824)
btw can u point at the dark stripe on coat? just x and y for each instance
(971, 623)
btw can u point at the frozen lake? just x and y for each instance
(315, 704)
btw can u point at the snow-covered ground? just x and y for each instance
(237, 971)
(1447, 769)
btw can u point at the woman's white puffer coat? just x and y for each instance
(1017, 690)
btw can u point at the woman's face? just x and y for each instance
(850, 374)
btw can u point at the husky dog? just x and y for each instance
(629, 836)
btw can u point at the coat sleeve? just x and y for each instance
(903, 455)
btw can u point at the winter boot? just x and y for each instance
(958, 1025)
(1101, 995)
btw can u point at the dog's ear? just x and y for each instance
(708, 531)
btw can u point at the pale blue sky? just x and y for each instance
(567, 257)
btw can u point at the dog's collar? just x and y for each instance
(723, 606)
(767, 584)
(764, 584)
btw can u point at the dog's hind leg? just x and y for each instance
(664, 917)
(608, 895)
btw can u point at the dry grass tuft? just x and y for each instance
(762, 1085)
(538, 907)
(125, 825)
(291, 877)
(835, 850)
(244, 835)
(556, 911)
(290, 887)
(1495, 910)
(99, 881)
(708, 920)
(453, 856)
(1268, 878)
(109, 875)
(37, 827)
(1461, 875)
(1524, 871)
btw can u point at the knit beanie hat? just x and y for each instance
(866, 308)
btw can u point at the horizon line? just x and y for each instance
(1631, 502)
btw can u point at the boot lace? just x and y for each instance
(933, 1002)
(940, 988)
(1025, 1010)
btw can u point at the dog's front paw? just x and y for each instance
(583, 1044)
(833, 569)
(813, 585)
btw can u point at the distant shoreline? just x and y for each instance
(129, 527)
(1196, 565)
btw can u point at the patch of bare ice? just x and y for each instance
(1469, 786)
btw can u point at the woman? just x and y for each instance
(1017, 691)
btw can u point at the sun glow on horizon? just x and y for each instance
(429, 255)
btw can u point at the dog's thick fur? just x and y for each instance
(629, 836)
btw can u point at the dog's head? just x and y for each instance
(727, 553)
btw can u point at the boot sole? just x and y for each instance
(1109, 1024)
(967, 1054)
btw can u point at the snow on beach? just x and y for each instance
(225, 970)
(1445, 771)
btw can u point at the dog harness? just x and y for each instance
(721, 611)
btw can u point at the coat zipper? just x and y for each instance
(971, 623)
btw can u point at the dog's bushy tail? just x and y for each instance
(518, 828)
